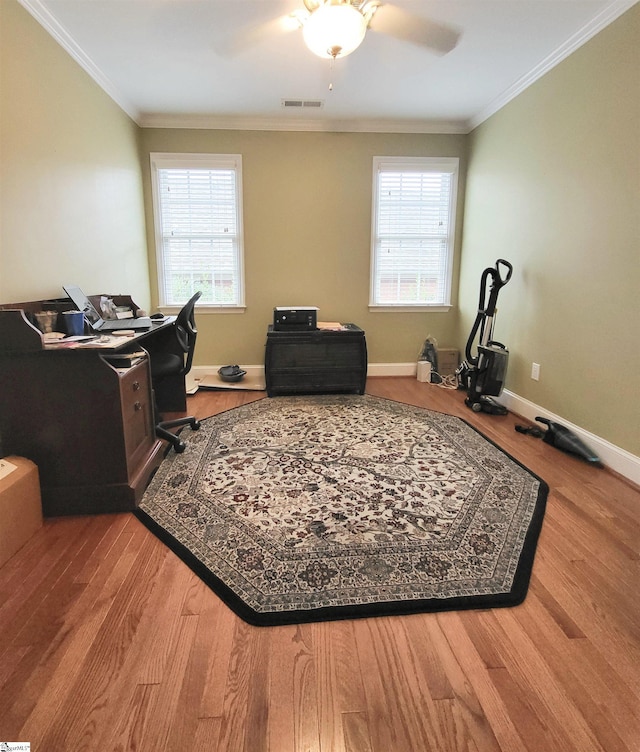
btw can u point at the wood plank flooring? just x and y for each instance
(109, 643)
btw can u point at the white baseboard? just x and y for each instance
(615, 458)
(392, 369)
(197, 373)
(374, 369)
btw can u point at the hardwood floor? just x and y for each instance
(109, 643)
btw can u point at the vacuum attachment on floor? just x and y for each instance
(231, 374)
(562, 438)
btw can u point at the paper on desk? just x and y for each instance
(332, 325)
(106, 341)
(100, 341)
(6, 468)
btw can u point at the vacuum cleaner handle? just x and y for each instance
(503, 280)
(492, 282)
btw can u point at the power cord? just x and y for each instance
(534, 431)
(447, 382)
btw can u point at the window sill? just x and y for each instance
(409, 309)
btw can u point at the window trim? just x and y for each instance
(414, 164)
(186, 160)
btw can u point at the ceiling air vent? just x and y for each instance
(314, 104)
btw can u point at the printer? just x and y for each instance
(295, 318)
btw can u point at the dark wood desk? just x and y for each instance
(87, 424)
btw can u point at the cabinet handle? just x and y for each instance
(137, 406)
(136, 386)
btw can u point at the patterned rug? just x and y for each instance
(299, 509)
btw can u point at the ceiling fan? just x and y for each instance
(335, 28)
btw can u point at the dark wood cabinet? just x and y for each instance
(319, 361)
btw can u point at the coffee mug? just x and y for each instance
(73, 322)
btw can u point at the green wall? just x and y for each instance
(553, 186)
(71, 206)
(307, 223)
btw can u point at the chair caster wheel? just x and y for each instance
(180, 447)
(195, 426)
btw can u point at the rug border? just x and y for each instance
(514, 597)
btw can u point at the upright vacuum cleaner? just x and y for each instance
(483, 374)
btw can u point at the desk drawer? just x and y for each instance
(137, 414)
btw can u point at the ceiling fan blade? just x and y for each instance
(397, 23)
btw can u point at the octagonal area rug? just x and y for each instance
(297, 509)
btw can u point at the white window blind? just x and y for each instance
(197, 204)
(413, 231)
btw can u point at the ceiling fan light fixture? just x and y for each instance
(334, 29)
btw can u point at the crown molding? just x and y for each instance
(240, 123)
(64, 39)
(212, 122)
(588, 31)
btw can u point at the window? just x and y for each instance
(197, 202)
(414, 201)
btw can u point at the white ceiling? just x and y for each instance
(230, 63)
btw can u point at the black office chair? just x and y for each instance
(165, 364)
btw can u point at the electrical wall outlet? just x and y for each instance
(535, 371)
